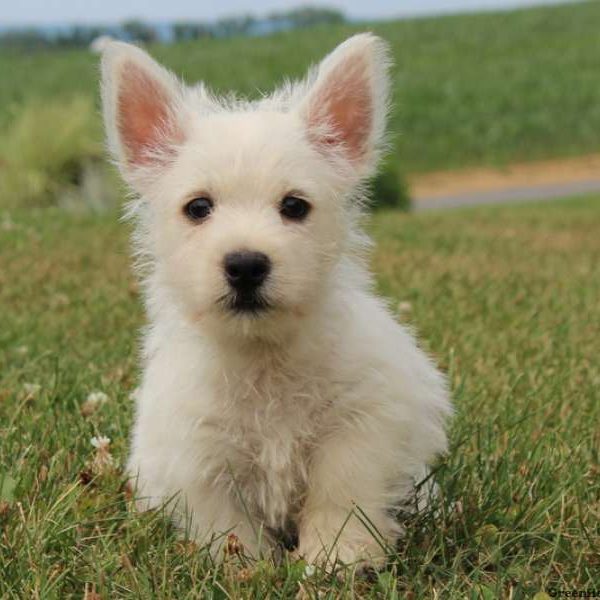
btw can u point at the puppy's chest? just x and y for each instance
(272, 419)
(271, 425)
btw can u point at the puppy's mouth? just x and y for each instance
(248, 304)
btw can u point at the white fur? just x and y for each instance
(322, 404)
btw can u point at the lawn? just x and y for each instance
(505, 298)
(468, 90)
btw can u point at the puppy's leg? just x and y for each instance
(205, 513)
(351, 478)
(213, 514)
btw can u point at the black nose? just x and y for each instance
(246, 270)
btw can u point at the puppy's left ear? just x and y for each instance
(346, 105)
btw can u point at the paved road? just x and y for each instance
(513, 195)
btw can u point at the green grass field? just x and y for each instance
(505, 298)
(468, 90)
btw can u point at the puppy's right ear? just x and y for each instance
(143, 110)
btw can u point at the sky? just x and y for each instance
(47, 12)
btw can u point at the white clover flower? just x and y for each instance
(309, 571)
(31, 390)
(103, 460)
(97, 398)
(93, 402)
(7, 223)
(404, 307)
(100, 442)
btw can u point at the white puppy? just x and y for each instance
(278, 392)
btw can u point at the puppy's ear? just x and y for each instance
(346, 105)
(143, 109)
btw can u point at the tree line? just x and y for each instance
(136, 30)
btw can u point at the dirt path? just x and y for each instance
(514, 183)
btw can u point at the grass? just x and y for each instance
(506, 299)
(45, 149)
(468, 90)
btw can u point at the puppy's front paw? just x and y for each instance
(358, 553)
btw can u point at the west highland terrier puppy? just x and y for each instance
(279, 396)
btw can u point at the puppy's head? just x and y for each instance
(247, 207)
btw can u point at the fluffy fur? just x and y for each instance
(298, 416)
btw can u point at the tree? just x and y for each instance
(138, 31)
(185, 31)
(305, 16)
(231, 26)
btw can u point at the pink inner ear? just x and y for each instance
(146, 124)
(346, 104)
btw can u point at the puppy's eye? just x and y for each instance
(294, 209)
(198, 209)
